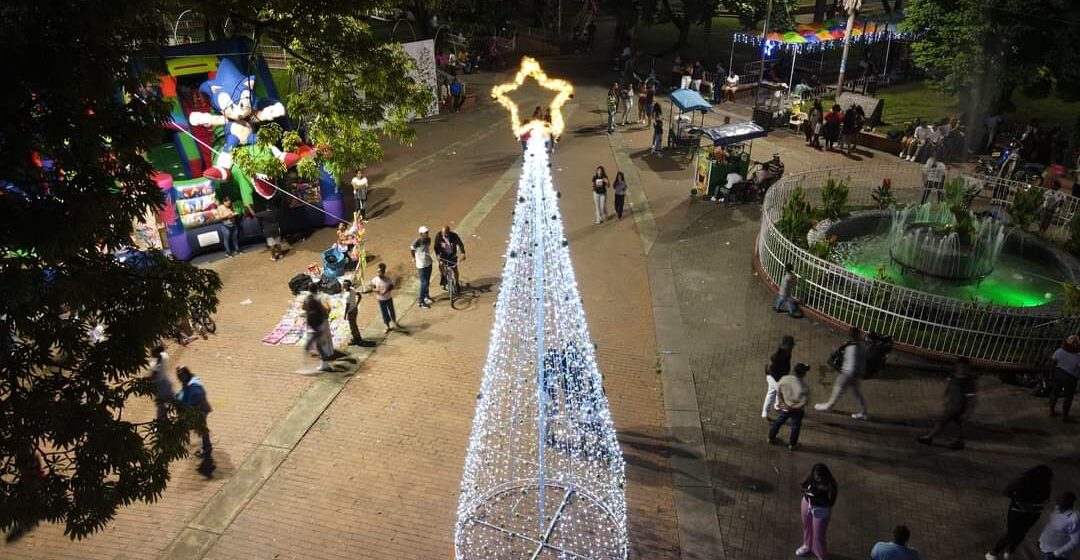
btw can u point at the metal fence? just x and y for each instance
(947, 326)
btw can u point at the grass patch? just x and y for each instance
(283, 81)
(905, 102)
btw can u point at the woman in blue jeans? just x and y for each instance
(230, 228)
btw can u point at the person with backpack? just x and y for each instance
(317, 314)
(793, 394)
(193, 395)
(960, 393)
(779, 366)
(457, 91)
(1028, 495)
(852, 368)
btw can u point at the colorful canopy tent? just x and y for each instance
(812, 37)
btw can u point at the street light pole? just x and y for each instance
(764, 40)
(852, 7)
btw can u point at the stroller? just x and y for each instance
(333, 263)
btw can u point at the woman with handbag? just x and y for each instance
(819, 494)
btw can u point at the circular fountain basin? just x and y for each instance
(1028, 272)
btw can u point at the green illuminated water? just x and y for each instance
(1015, 282)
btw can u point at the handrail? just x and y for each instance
(934, 322)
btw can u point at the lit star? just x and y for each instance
(530, 67)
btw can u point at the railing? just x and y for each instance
(939, 324)
(275, 55)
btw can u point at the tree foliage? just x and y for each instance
(358, 89)
(76, 119)
(985, 49)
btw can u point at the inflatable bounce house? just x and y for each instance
(220, 95)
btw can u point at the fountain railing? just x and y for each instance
(937, 324)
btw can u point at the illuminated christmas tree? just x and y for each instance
(544, 475)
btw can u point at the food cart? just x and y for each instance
(728, 152)
(683, 133)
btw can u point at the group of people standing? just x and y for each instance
(836, 127)
(624, 97)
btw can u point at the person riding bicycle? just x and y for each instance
(447, 245)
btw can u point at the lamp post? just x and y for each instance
(764, 42)
(177, 26)
(852, 7)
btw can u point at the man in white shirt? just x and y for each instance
(421, 252)
(792, 394)
(360, 193)
(933, 179)
(919, 138)
(1061, 535)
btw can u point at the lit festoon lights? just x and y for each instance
(544, 476)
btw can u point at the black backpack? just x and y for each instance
(836, 359)
(300, 283)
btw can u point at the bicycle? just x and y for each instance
(200, 317)
(449, 272)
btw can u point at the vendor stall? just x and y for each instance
(682, 132)
(727, 153)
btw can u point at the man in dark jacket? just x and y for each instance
(960, 390)
(352, 303)
(447, 245)
(193, 395)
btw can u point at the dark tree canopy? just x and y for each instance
(984, 50)
(76, 118)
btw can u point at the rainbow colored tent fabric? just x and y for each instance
(824, 32)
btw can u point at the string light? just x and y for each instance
(531, 68)
(544, 476)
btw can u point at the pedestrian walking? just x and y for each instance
(933, 179)
(164, 391)
(1063, 379)
(1027, 497)
(317, 315)
(852, 370)
(897, 548)
(960, 391)
(817, 115)
(447, 245)
(658, 130)
(831, 128)
(793, 395)
(619, 188)
(628, 103)
(819, 495)
(421, 253)
(599, 190)
(193, 395)
(352, 308)
(230, 230)
(779, 366)
(360, 193)
(784, 298)
(383, 287)
(612, 107)
(1061, 536)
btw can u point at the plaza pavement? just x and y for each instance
(367, 465)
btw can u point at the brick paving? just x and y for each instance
(377, 474)
(952, 500)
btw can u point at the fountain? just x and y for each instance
(947, 244)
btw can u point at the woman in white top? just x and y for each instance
(599, 188)
(619, 187)
(360, 192)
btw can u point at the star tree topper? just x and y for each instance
(531, 68)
